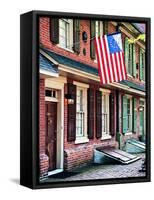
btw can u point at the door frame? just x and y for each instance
(58, 84)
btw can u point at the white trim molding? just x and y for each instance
(106, 136)
(47, 73)
(79, 84)
(105, 91)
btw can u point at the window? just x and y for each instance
(127, 114)
(142, 64)
(66, 33)
(81, 112)
(130, 58)
(51, 93)
(96, 28)
(99, 28)
(105, 114)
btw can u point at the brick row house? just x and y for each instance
(77, 114)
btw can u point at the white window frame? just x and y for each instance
(83, 87)
(51, 98)
(106, 93)
(70, 35)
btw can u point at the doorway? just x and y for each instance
(51, 133)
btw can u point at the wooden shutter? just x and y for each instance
(134, 114)
(71, 135)
(76, 35)
(98, 114)
(126, 52)
(125, 117)
(92, 35)
(90, 113)
(141, 65)
(134, 60)
(54, 30)
(112, 118)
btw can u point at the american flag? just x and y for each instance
(110, 58)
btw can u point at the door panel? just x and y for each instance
(51, 129)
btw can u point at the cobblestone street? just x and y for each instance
(95, 171)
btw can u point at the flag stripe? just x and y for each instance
(107, 59)
(114, 66)
(104, 60)
(114, 75)
(118, 66)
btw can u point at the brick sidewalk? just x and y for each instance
(104, 172)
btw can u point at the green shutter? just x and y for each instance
(141, 63)
(134, 60)
(92, 35)
(126, 52)
(125, 117)
(134, 114)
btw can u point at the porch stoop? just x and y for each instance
(111, 155)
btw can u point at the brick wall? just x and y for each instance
(43, 156)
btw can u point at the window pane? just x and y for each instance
(79, 114)
(105, 114)
(64, 33)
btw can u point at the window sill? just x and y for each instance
(128, 133)
(106, 137)
(80, 140)
(67, 49)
